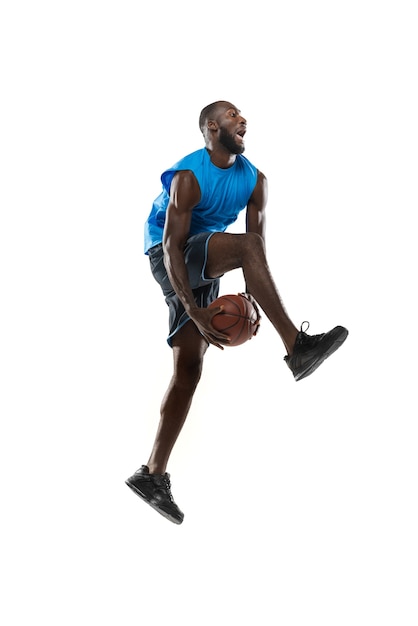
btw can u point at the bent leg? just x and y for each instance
(189, 348)
(227, 251)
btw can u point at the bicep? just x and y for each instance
(256, 206)
(184, 195)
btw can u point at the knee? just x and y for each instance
(189, 348)
(254, 242)
(188, 374)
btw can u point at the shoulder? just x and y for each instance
(184, 177)
(190, 163)
(261, 178)
(260, 191)
(185, 187)
(261, 181)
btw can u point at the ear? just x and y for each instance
(212, 125)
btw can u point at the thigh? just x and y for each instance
(225, 253)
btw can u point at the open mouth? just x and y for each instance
(240, 135)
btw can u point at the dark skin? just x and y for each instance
(226, 252)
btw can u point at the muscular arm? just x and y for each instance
(184, 196)
(256, 217)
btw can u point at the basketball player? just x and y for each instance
(189, 250)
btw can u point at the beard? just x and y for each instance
(228, 142)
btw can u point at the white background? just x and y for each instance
(300, 499)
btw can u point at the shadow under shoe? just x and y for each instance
(155, 489)
(310, 351)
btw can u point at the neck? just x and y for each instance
(221, 157)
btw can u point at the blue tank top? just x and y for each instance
(224, 193)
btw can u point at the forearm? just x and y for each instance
(179, 277)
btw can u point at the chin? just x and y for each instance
(238, 148)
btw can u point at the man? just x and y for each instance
(189, 251)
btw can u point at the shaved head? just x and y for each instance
(210, 111)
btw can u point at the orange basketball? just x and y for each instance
(239, 319)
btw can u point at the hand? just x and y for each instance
(257, 310)
(202, 317)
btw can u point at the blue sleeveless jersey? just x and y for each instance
(224, 193)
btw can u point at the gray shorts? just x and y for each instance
(205, 290)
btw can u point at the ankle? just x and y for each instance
(155, 468)
(289, 342)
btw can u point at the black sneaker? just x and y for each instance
(312, 350)
(156, 490)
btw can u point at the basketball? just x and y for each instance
(239, 319)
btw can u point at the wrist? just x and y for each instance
(190, 308)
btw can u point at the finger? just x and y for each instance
(213, 342)
(216, 310)
(217, 338)
(220, 336)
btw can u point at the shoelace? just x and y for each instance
(307, 328)
(310, 340)
(167, 486)
(307, 340)
(303, 338)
